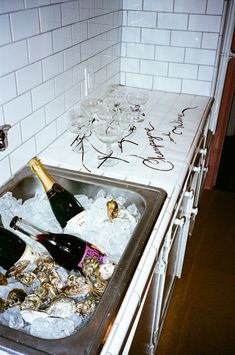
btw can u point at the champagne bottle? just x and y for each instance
(13, 249)
(63, 204)
(67, 250)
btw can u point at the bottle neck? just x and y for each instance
(39, 170)
(26, 228)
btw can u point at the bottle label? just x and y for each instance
(29, 254)
(78, 221)
(92, 252)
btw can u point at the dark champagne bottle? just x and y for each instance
(67, 250)
(64, 205)
(13, 249)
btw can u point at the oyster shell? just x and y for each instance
(76, 286)
(112, 209)
(55, 280)
(17, 268)
(31, 302)
(45, 263)
(42, 276)
(89, 266)
(3, 305)
(62, 308)
(46, 293)
(97, 285)
(74, 280)
(86, 307)
(3, 279)
(76, 290)
(16, 297)
(26, 278)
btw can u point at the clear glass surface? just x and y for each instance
(91, 106)
(125, 120)
(137, 100)
(109, 133)
(80, 124)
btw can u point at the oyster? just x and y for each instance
(73, 280)
(61, 307)
(17, 268)
(112, 209)
(3, 305)
(16, 297)
(55, 280)
(86, 307)
(31, 302)
(76, 286)
(45, 266)
(46, 293)
(89, 266)
(26, 278)
(42, 276)
(45, 263)
(76, 290)
(3, 279)
(97, 285)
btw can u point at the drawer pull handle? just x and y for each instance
(180, 221)
(197, 169)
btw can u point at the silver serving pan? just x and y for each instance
(90, 339)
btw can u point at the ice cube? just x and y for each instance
(85, 201)
(9, 207)
(52, 328)
(12, 318)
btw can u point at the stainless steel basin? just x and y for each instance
(90, 339)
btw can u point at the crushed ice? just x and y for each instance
(111, 236)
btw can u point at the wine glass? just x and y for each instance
(137, 100)
(80, 124)
(104, 113)
(91, 106)
(108, 133)
(115, 97)
(125, 120)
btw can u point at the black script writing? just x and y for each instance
(178, 123)
(159, 161)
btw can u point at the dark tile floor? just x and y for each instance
(226, 173)
(201, 315)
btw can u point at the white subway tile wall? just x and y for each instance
(44, 47)
(46, 44)
(178, 52)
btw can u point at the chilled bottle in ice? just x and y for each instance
(13, 249)
(64, 205)
(67, 250)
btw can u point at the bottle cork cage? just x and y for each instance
(90, 338)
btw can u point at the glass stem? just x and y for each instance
(108, 148)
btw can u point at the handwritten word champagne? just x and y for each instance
(63, 204)
(13, 249)
(67, 250)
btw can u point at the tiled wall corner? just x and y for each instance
(44, 47)
(171, 45)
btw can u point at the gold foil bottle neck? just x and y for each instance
(39, 170)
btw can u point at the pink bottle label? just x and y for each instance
(92, 253)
